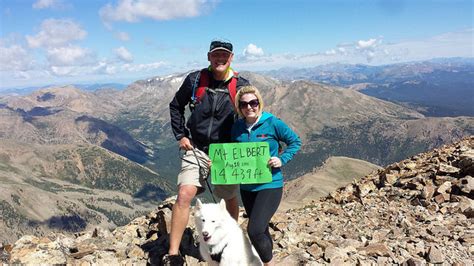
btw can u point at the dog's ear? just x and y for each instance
(198, 204)
(222, 204)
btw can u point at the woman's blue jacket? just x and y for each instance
(272, 130)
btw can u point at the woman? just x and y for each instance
(262, 200)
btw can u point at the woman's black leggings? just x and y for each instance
(260, 207)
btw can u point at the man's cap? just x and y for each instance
(220, 45)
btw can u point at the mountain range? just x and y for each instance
(71, 159)
(438, 87)
(85, 87)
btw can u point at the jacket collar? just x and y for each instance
(262, 119)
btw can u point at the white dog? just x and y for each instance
(221, 240)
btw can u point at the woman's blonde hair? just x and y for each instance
(248, 89)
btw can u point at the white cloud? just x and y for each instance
(370, 56)
(373, 51)
(65, 60)
(40, 4)
(253, 51)
(21, 75)
(71, 71)
(104, 68)
(123, 36)
(82, 71)
(63, 70)
(135, 10)
(56, 32)
(143, 67)
(371, 43)
(123, 54)
(368, 49)
(450, 44)
(69, 56)
(15, 58)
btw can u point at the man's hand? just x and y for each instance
(274, 162)
(185, 144)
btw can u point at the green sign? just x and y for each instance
(240, 163)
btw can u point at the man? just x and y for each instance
(210, 122)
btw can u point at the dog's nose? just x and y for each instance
(205, 234)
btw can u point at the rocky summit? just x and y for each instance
(415, 212)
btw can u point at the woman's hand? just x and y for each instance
(274, 162)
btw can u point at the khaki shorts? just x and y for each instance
(189, 175)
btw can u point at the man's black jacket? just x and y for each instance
(212, 119)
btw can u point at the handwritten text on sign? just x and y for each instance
(240, 163)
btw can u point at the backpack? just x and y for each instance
(200, 88)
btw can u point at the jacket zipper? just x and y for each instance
(209, 130)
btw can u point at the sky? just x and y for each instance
(46, 42)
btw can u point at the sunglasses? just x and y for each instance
(253, 104)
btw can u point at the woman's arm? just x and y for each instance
(289, 137)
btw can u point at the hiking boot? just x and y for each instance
(173, 260)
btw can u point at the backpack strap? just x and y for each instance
(195, 84)
(203, 84)
(233, 87)
(200, 88)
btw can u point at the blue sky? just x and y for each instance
(46, 42)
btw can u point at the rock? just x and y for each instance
(390, 179)
(376, 249)
(420, 248)
(435, 255)
(414, 262)
(427, 192)
(135, 252)
(365, 188)
(467, 163)
(440, 198)
(466, 184)
(315, 251)
(82, 251)
(447, 169)
(34, 250)
(290, 260)
(383, 260)
(411, 165)
(5, 251)
(380, 235)
(444, 188)
(333, 253)
(469, 212)
(415, 212)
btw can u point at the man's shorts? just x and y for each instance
(189, 174)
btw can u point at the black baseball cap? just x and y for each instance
(220, 45)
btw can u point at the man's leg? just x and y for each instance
(232, 206)
(180, 216)
(230, 194)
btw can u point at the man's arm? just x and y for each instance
(178, 105)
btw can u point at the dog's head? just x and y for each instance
(210, 221)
